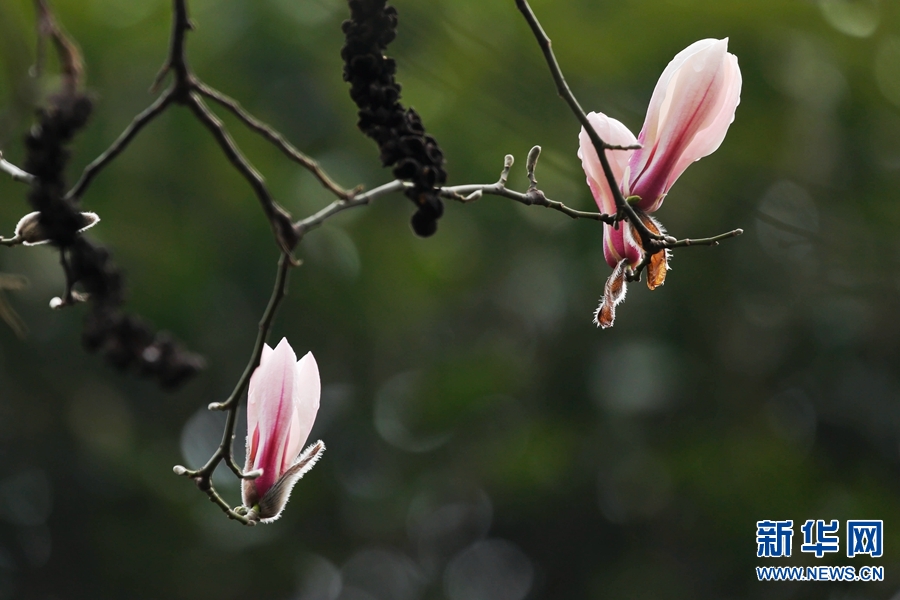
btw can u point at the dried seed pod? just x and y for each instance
(399, 133)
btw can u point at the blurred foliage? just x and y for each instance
(485, 440)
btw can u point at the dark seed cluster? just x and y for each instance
(123, 339)
(399, 133)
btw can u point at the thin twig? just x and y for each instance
(180, 88)
(710, 241)
(278, 217)
(147, 115)
(265, 325)
(669, 243)
(176, 61)
(15, 172)
(472, 192)
(275, 138)
(648, 238)
(461, 193)
(533, 197)
(225, 451)
(306, 225)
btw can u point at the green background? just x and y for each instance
(485, 440)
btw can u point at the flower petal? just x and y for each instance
(307, 391)
(253, 398)
(619, 244)
(708, 139)
(274, 393)
(689, 113)
(613, 132)
(649, 133)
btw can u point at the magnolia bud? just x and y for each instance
(282, 402)
(30, 233)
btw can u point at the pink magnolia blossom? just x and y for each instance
(690, 111)
(282, 403)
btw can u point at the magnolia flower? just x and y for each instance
(281, 407)
(690, 111)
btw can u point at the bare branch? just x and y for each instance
(532, 197)
(278, 217)
(275, 138)
(710, 241)
(461, 193)
(138, 123)
(306, 225)
(176, 61)
(472, 192)
(647, 237)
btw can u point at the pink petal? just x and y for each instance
(708, 140)
(253, 396)
(619, 244)
(649, 132)
(307, 391)
(274, 393)
(694, 101)
(610, 131)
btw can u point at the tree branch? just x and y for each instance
(648, 238)
(138, 123)
(176, 61)
(225, 452)
(461, 193)
(275, 138)
(306, 225)
(710, 241)
(278, 217)
(533, 197)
